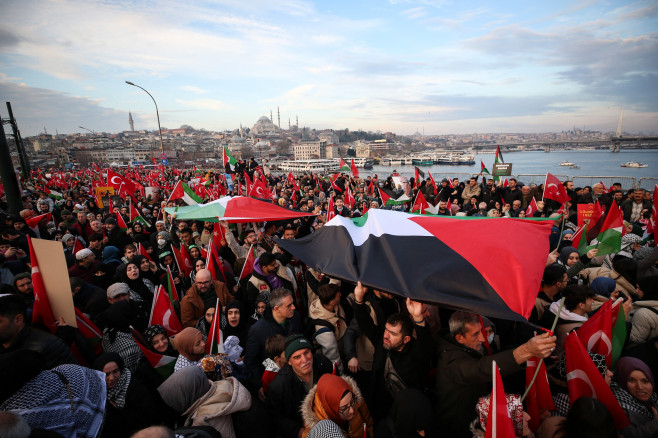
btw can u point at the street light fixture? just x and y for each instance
(156, 113)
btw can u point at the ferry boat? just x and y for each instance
(567, 163)
(456, 159)
(634, 164)
(310, 166)
(363, 163)
(422, 161)
(385, 162)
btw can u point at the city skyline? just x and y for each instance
(401, 65)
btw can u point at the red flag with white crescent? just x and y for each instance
(162, 313)
(596, 333)
(42, 313)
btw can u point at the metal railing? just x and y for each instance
(647, 183)
(627, 182)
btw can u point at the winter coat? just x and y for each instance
(192, 306)
(463, 376)
(313, 414)
(55, 352)
(329, 340)
(215, 407)
(603, 271)
(258, 334)
(258, 284)
(645, 321)
(286, 394)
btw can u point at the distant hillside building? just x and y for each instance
(309, 150)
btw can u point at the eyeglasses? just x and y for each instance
(202, 282)
(346, 408)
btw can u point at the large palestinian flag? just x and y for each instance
(488, 266)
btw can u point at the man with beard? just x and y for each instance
(400, 361)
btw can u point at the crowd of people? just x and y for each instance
(304, 355)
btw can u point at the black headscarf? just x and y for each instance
(118, 318)
(16, 369)
(149, 275)
(151, 333)
(137, 285)
(106, 358)
(243, 326)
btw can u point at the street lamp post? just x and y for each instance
(156, 113)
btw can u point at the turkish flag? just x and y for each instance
(499, 423)
(162, 313)
(180, 261)
(114, 179)
(355, 171)
(42, 313)
(349, 198)
(532, 207)
(248, 266)
(585, 380)
(187, 259)
(554, 189)
(331, 211)
(539, 396)
(651, 227)
(596, 333)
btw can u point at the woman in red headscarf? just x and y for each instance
(337, 399)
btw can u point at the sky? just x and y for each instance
(405, 66)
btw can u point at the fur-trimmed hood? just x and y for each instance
(306, 409)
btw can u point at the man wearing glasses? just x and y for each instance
(201, 296)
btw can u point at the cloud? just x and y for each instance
(193, 89)
(206, 104)
(36, 108)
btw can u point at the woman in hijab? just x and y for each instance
(337, 399)
(141, 289)
(147, 269)
(634, 388)
(191, 348)
(236, 322)
(198, 263)
(130, 405)
(111, 257)
(158, 341)
(117, 337)
(203, 324)
(575, 263)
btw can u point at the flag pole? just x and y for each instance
(492, 403)
(544, 191)
(534, 377)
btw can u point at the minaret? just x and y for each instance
(271, 118)
(278, 116)
(130, 120)
(288, 123)
(297, 123)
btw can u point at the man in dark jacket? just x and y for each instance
(280, 318)
(289, 388)
(400, 361)
(16, 334)
(634, 207)
(464, 374)
(268, 274)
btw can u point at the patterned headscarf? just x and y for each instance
(514, 409)
(598, 359)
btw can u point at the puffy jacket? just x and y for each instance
(192, 306)
(644, 321)
(313, 414)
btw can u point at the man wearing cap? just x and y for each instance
(85, 265)
(118, 292)
(289, 388)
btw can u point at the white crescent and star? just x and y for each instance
(580, 374)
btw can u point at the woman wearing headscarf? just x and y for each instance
(574, 262)
(117, 337)
(337, 399)
(141, 288)
(130, 405)
(158, 341)
(111, 257)
(191, 348)
(236, 322)
(197, 264)
(147, 269)
(203, 324)
(634, 389)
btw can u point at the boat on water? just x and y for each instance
(575, 166)
(456, 159)
(634, 164)
(313, 166)
(422, 161)
(567, 164)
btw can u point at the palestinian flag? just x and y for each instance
(184, 192)
(618, 331)
(483, 168)
(136, 217)
(344, 166)
(609, 239)
(53, 194)
(228, 158)
(388, 197)
(162, 364)
(171, 286)
(498, 159)
(382, 250)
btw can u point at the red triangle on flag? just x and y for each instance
(162, 313)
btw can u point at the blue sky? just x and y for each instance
(442, 66)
